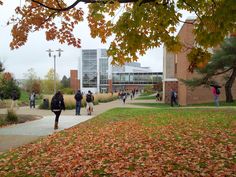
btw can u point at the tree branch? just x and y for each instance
(56, 9)
(47, 19)
(59, 4)
(95, 1)
(193, 10)
(223, 71)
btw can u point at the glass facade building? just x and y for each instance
(95, 71)
(93, 68)
(136, 78)
(89, 68)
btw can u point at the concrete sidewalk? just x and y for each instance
(20, 134)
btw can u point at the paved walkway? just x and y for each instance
(20, 134)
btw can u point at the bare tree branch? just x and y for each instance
(165, 2)
(56, 9)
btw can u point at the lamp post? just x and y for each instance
(54, 57)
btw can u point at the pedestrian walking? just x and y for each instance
(124, 96)
(57, 105)
(78, 98)
(158, 96)
(89, 102)
(216, 93)
(32, 100)
(173, 99)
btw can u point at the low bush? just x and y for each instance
(11, 116)
(68, 91)
(2, 120)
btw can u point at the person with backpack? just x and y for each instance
(173, 98)
(216, 92)
(124, 96)
(32, 100)
(57, 105)
(89, 102)
(78, 97)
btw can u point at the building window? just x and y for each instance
(103, 70)
(89, 68)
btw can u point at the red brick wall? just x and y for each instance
(186, 37)
(74, 82)
(168, 86)
(200, 94)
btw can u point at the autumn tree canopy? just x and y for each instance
(137, 25)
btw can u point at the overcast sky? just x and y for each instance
(33, 54)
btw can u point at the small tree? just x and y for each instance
(48, 82)
(223, 62)
(65, 82)
(32, 82)
(8, 85)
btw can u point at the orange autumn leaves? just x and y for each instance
(152, 143)
(35, 18)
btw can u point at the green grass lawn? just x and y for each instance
(222, 103)
(146, 98)
(164, 105)
(155, 105)
(134, 142)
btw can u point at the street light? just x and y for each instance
(54, 56)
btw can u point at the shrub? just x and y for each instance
(68, 91)
(11, 116)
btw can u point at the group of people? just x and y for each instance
(89, 102)
(58, 104)
(123, 95)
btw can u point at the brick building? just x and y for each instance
(175, 67)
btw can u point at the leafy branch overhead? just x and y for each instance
(136, 25)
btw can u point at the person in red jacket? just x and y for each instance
(216, 92)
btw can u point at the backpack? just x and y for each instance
(32, 96)
(55, 103)
(175, 94)
(217, 91)
(89, 98)
(78, 97)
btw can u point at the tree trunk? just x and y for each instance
(228, 86)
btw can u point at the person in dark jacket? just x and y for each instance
(14, 97)
(78, 98)
(57, 105)
(89, 102)
(173, 98)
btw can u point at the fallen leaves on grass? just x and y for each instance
(198, 145)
